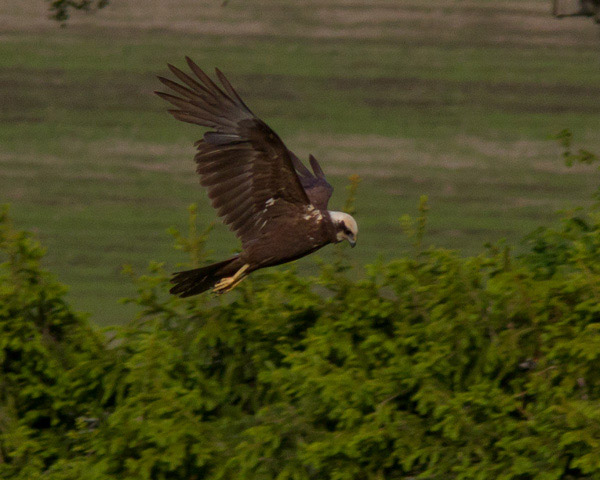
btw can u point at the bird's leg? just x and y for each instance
(229, 283)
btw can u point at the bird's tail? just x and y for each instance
(198, 280)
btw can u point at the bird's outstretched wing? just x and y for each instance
(245, 166)
(315, 185)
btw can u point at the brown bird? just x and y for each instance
(263, 192)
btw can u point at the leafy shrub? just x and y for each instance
(431, 366)
(61, 10)
(45, 352)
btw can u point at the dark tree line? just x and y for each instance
(61, 10)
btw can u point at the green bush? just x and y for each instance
(47, 360)
(431, 366)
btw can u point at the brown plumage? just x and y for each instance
(263, 192)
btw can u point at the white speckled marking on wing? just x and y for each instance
(312, 212)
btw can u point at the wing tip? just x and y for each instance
(165, 81)
(163, 95)
(315, 166)
(173, 68)
(194, 67)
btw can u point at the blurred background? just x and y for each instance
(457, 100)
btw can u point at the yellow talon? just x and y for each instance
(229, 283)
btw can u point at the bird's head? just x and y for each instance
(345, 227)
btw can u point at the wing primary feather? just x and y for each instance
(208, 161)
(246, 226)
(199, 118)
(246, 223)
(203, 152)
(186, 92)
(217, 178)
(299, 166)
(205, 78)
(188, 117)
(226, 196)
(182, 103)
(198, 108)
(235, 188)
(225, 201)
(216, 138)
(223, 174)
(230, 90)
(185, 78)
(222, 161)
(231, 214)
(316, 167)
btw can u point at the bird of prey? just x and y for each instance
(274, 204)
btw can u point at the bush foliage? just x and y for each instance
(430, 366)
(61, 10)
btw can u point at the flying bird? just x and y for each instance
(274, 204)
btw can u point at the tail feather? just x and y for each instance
(198, 280)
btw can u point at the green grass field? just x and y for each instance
(455, 100)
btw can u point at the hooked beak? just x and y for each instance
(352, 243)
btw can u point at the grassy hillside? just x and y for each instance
(455, 100)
